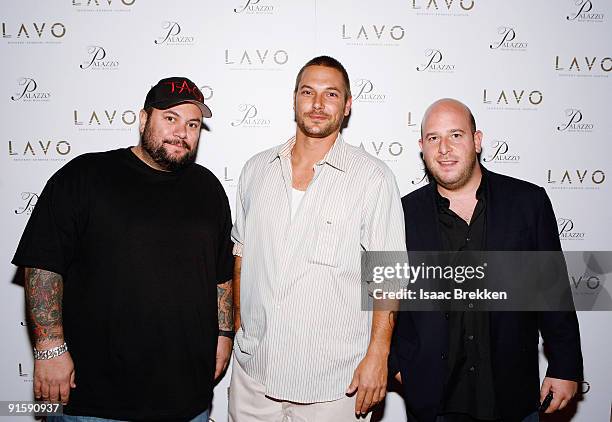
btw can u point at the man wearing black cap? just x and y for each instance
(128, 262)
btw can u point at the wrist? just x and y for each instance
(227, 333)
(50, 353)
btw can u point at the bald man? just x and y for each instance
(478, 366)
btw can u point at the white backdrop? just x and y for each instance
(536, 75)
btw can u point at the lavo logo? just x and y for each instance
(500, 153)
(364, 92)
(508, 35)
(207, 92)
(605, 64)
(433, 65)
(574, 123)
(253, 6)
(516, 96)
(566, 229)
(32, 149)
(57, 30)
(249, 117)
(382, 32)
(28, 91)
(171, 37)
(128, 117)
(583, 12)
(597, 177)
(463, 4)
(393, 149)
(30, 199)
(104, 2)
(261, 57)
(96, 60)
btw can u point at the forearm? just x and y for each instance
(236, 288)
(224, 304)
(44, 292)
(383, 322)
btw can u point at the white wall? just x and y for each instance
(251, 57)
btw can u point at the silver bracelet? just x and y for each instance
(50, 353)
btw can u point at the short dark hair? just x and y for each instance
(326, 61)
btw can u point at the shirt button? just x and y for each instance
(470, 305)
(444, 356)
(468, 239)
(472, 369)
(470, 337)
(446, 315)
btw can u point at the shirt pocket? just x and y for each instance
(325, 251)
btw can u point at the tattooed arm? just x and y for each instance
(226, 323)
(53, 378)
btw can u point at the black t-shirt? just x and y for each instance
(140, 252)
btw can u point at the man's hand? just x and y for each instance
(224, 352)
(370, 382)
(53, 378)
(563, 391)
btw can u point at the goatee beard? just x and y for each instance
(159, 154)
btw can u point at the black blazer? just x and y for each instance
(519, 217)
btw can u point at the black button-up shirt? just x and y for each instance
(469, 388)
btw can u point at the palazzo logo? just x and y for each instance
(507, 40)
(434, 63)
(103, 6)
(501, 153)
(566, 230)
(575, 179)
(97, 60)
(382, 35)
(386, 151)
(443, 7)
(33, 33)
(583, 66)
(172, 35)
(573, 122)
(42, 150)
(584, 12)
(254, 7)
(258, 59)
(249, 117)
(515, 99)
(29, 200)
(111, 119)
(421, 178)
(364, 91)
(28, 92)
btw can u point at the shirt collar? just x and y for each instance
(335, 157)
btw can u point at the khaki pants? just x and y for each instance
(248, 403)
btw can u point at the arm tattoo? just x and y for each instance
(224, 302)
(44, 292)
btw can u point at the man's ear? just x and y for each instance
(348, 105)
(478, 141)
(142, 121)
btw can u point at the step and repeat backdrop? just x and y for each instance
(537, 76)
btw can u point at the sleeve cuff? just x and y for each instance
(237, 250)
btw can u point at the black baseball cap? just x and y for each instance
(173, 91)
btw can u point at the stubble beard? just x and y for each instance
(461, 180)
